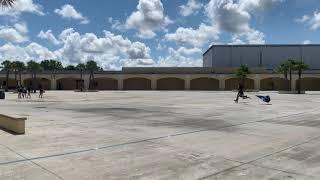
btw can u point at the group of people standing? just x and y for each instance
(25, 92)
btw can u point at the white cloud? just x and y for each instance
(110, 51)
(182, 57)
(192, 7)
(15, 34)
(22, 6)
(116, 24)
(194, 37)
(312, 21)
(33, 51)
(234, 16)
(49, 36)
(21, 27)
(306, 42)
(67, 11)
(148, 18)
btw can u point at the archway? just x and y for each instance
(137, 84)
(232, 84)
(106, 84)
(170, 84)
(12, 83)
(69, 84)
(274, 84)
(204, 84)
(39, 82)
(309, 84)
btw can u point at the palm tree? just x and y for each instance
(15, 70)
(92, 66)
(7, 3)
(300, 66)
(290, 63)
(242, 73)
(20, 66)
(81, 67)
(284, 68)
(34, 68)
(7, 66)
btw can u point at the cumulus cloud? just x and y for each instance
(22, 6)
(110, 51)
(234, 16)
(148, 18)
(14, 34)
(33, 51)
(67, 11)
(49, 36)
(313, 21)
(182, 57)
(194, 37)
(192, 7)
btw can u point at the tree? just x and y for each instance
(34, 67)
(7, 3)
(20, 66)
(81, 67)
(284, 68)
(15, 71)
(7, 66)
(92, 66)
(290, 63)
(51, 65)
(70, 68)
(300, 66)
(242, 73)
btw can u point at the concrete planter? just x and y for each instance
(291, 92)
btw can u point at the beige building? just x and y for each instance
(207, 79)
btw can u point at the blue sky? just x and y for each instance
(149, 32)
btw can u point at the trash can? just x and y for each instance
(2, 94)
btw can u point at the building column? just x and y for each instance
(86, 79)
(53, 83)
(154, 83)
(120, 83)
(294, 83)
(257, 84)
(187, 83)
(222, 84)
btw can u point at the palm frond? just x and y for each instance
(7, 3)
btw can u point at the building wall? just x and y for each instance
(264, 56)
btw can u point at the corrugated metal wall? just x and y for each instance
(267, 56)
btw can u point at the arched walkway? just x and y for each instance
(12, 84)
(309, 84)
(170, 84)
(43, 82)
(106, 84)
(137, 84)
(232, 84)
(204, 84)
(274, 84)
(69, 84)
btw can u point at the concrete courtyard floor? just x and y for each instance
(162, 135)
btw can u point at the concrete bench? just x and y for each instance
(11, 124)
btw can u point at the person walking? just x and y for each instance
(29, 92)
(41, 91)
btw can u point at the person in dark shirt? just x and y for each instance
(29, 92)
(240, 93)
(41, 91)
